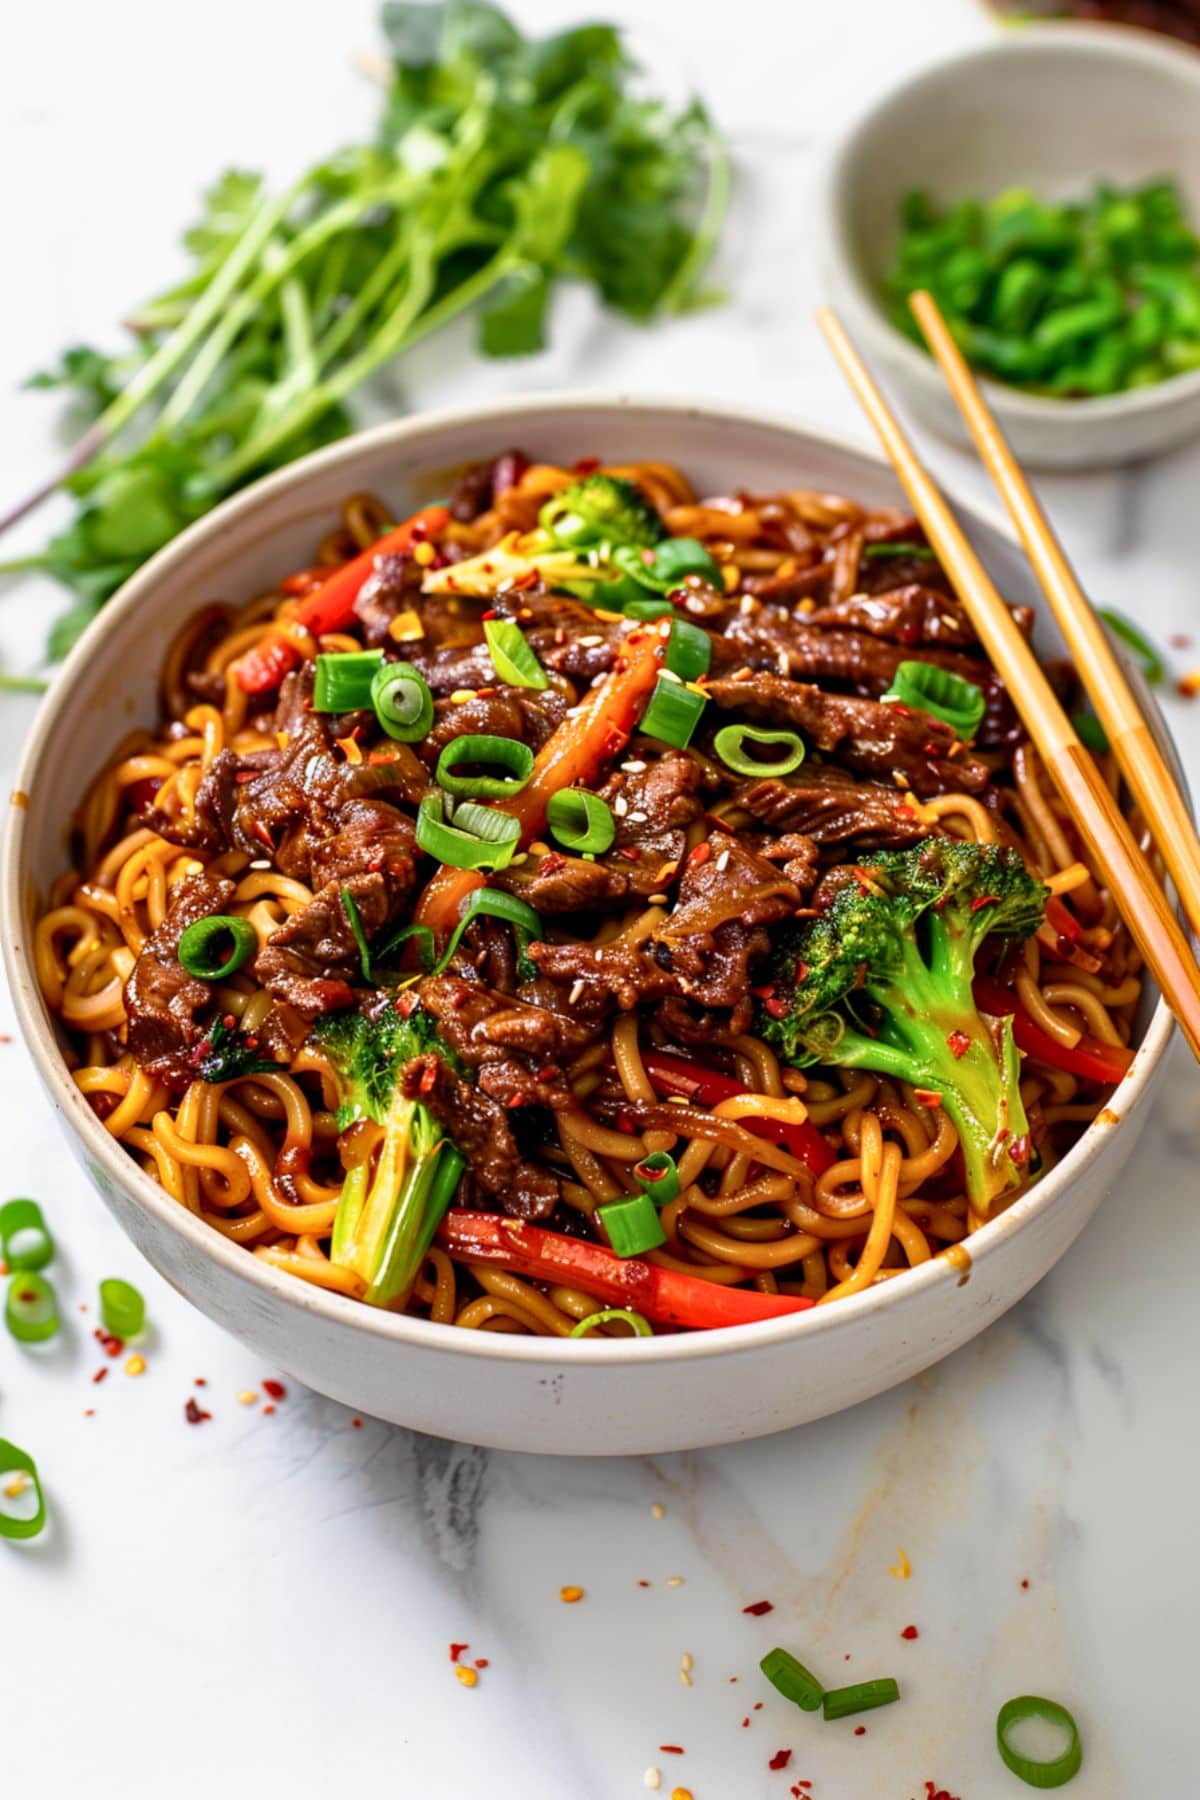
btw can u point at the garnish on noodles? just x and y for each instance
(558, 913)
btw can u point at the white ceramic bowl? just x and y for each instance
(588, 1397)
(1054, 108)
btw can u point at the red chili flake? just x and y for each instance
(777, 1007)
(548, 1073)
(780, 1760)
(481, 1662)
(733, 1678)
(1025, 1582)
(934, 1792)
(357, 1424)
(860, 1731)
(587, 465)
(758, 1706)
(804, 1784)
(626, 1123)
(958, 1043)
(982, 900)
(111, 1346)
(428, 1076)
(491, 613)
(646, 1584)
(200, 1381)
(699, 854)
(101, 1373)
(275, 1388)
(1019, 1150)
(194, 1414)
(630, 852)
(550, 865)
(927, 1097)
(672, 1749)
(89, 1412)
(268, 1410)
(456, 1651)
(745, 1722)
(759, 1608)
(910, 1633)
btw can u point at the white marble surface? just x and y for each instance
(270, 1599)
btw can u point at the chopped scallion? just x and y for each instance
(609, 1315)
(31, 1307)
(360, 936)
(27, 1522)
(673, 713)
(632, 1225)
(122, 1308)
(342, 682)
(25, 1240)
(508, 754)
(215, 948)
(790, 1677)
(581, 822)
(689, 650)
(512, 659)
(863, 1696)
(402, 701)
(730, 745)
(929, 688)
(476, 837)
(1054, 1771)
(658, 1177)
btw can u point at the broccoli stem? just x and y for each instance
(933, 1037)
(386, 1220)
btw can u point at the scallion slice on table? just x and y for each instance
(731, 741)
(215, 948)
(122, 1309)
(941, 693)
(632, 1225)
(343, 680)
(476, 837)
(31, 1308)
(25, 1240)
(1050, 1772)
(512, 658)
(862, 1696)
(507, 754)
(581, 822)
(673, 713)
(609, 1315)
(790, 1677)
(402, 701)
(24, 1523)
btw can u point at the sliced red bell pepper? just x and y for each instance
(708, 1087)
(661, 1294)
(331, 606)
(1091, 1059)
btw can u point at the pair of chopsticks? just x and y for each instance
(1124, 868)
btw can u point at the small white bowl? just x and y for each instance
(587, 1398)
(1054, 108)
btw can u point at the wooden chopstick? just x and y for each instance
(1141, 762)
(1126, 873)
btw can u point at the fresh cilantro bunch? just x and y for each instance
(502, 164)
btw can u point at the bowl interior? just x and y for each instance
(110, 684)
(1055, 109)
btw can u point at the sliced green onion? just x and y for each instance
(212, 949)
(402, 701)
(1148, 659)
(730, 745)
(122, 1308)
(941, 693)
(645, 606)
(689, 650)
(512, 659)
(25, 1241)
(581, 821)
(1091, 733)
(425, 940)
(864, 1696)
(638, 1326)
(19, 1462)
(360, 937)
(31, 1308)
(632, 1225)
(493, 904)
(1055, 1772)
(900, 549)
(657, 1176)
(500, 752)
(478, 838)
(673, 713)
(343, 680)
(666, 566)
(790, 1677)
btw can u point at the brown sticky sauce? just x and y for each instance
(1106, 1116)
(959, 1257)
(19, 798)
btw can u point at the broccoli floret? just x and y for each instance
(514, 559)
(393, 1202)
(225, 1053)
(601, 509)
(881, 980)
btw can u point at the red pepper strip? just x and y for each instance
(660, 1294)
(676, 1075)
(331, 606)
(573, 755)
(1062, 919)
(1091, 1059)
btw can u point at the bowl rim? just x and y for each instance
(337, 1310)
(1121, 44)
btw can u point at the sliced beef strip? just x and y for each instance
(564, 635)
(653, 801)
(452, 668)
(799, 855)
(211, 826)
(371, 838)
(480, 1130)
(564, 884)
(910, 615)
(311, 960)
(718, 928)
(881, 739)
(482, 1026)
(481, 485)
(831, 807)
(788, 644)
(163, 1002)
(504, 712)
(392, 587)
(622, 971)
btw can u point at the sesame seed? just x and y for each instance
(659, 899)
(577, 988)
(674, 1580)
(537, 848)
(136, 1365)
(658, 1510)
(638, 818)
(620, 806)
(261, 862)
(652, 1778)
(722, 861)
(685, 1678)
(569, 1595)
(247, 1397)
(461, 694)
(686, 1662)
(633, 767)
(590, 642)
